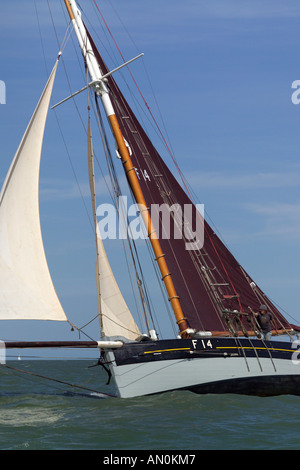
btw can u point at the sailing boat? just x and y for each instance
(216, 349)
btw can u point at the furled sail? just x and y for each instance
(114, 314)
(214, 290)
(27, 291)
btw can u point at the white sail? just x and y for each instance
(115, 316)
(27, 291)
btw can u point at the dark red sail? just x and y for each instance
(215, 292)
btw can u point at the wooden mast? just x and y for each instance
(102, 91)
(145, 213)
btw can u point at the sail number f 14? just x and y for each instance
(205, 344)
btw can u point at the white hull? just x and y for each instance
(246, 375)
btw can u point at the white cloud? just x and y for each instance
(246, 180)
(255, 9)
(279, 220)
(56, 190)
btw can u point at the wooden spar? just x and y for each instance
(50, 344)
(138, 194)
(103, 92)
(67, 3)
(63, 344)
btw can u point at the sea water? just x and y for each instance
(39, 414)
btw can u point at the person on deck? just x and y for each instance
(264, 318)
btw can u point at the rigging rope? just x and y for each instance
(56, 380)
(171, 154)
(61, 48)
(134, 256)
(144, 100)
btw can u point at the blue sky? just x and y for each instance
(222, 74)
